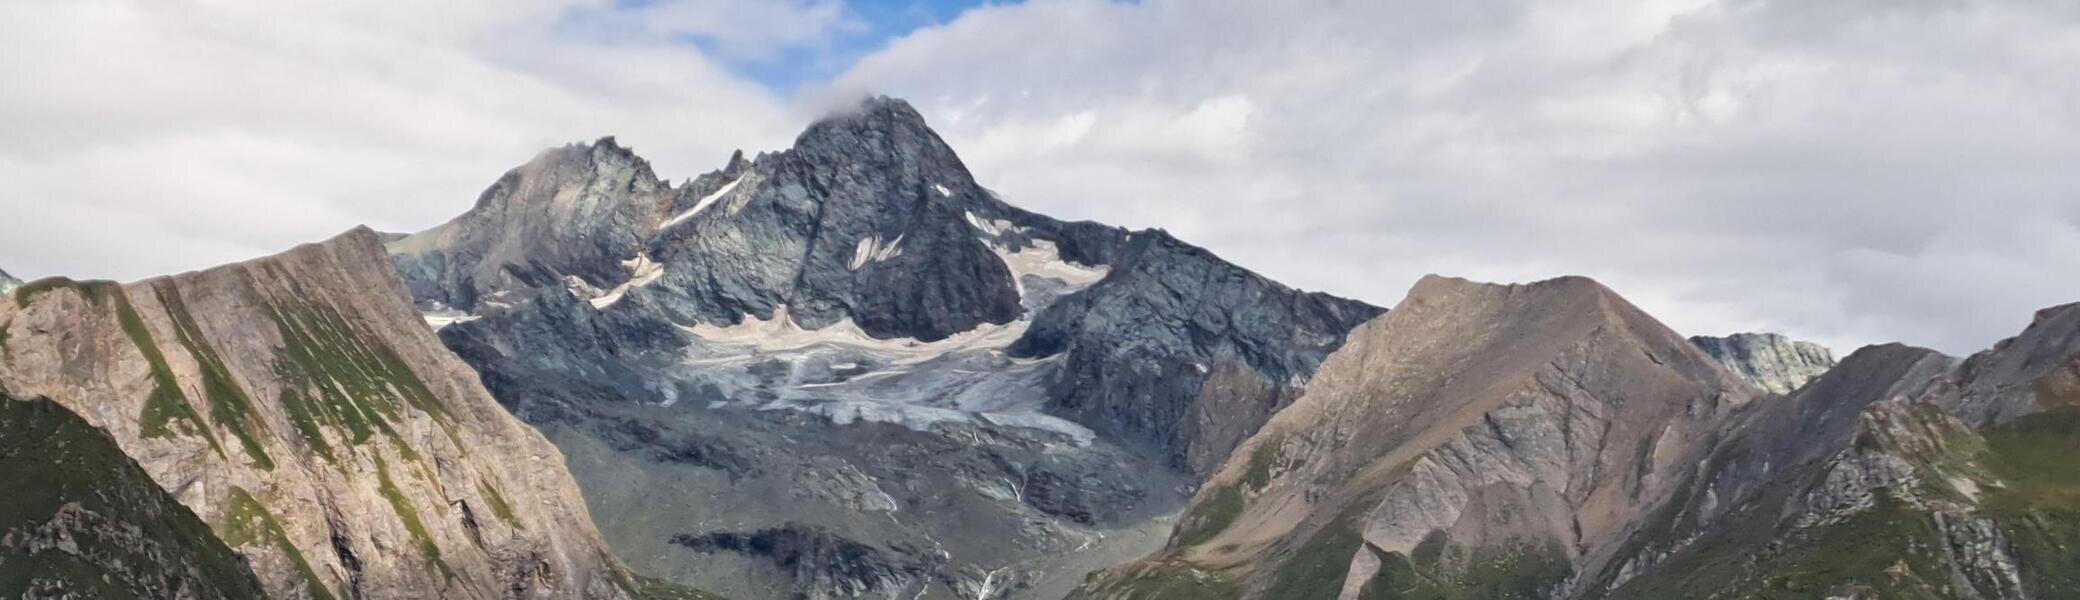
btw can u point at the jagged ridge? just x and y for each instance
(301, 408)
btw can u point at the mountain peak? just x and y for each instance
(879, 130)
(1560, 291)
(1770, 361)
(873, 110)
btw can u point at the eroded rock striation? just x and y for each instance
(1900, 473)
(301, 408)
(853, 338)
(1775, 363)
(1476, 441)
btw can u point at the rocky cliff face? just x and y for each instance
(1876, 482)
(1775, 363)
(80, 519)
(299, 406)
(2019, 376)
(1479, 440)
(1446, 468)
(849, 368)
(8, 283)
(1182, 349)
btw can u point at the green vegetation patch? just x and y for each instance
(1442, 571)
(1887, 551)
(1319, 567)
(1211, 517)
(129, 538)
(499, 506)
(230, 408)
(1224, 505)
(641, 587)
(27, 294)
(403, 507)
(167, 411)
(2038, 503)
(351, 381)
(1258, 475)
(246, 521)
(1172, 580)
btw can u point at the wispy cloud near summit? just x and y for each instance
(1850, 171)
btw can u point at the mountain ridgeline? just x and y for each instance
(300, 408)
(1550, 441)
(847, 370)
(848, 367)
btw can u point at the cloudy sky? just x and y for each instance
(1848, 171)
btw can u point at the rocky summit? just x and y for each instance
(845, 369)
(849, 368)
(1551, 442)
(1520, 429)
(1775, 363)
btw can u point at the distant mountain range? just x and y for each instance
(848, 370)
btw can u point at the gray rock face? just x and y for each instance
(80, 519)
(1520, 429)
(1473, 459)
(2019, 376)
(852, 349)
(300, 407)
(864, 219)
(1905, 472)
(1141, 343)
(1772, 362)
(8, 283)
(575, 211)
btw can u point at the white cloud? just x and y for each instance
(151, 137)
(1846, 170)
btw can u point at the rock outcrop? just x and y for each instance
(8, 283)
(80, 519)
(1477, 441)
(1775, 363)
(853, 338)
(299, 405)
(2019, 376)
(1900, 474)
(1550, 442)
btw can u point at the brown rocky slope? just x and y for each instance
(300, 406)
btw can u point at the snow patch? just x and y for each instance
(440, 315)
(841, 373)
(438, 321)
(990, 227)
(871, 249)
(1043, 258)
(642, 272)
(942, 190)
(703, 204)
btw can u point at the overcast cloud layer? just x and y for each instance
(1850, 171)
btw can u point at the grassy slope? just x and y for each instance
(132, 540)
(1892, 551)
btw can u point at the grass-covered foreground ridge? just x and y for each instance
(67, 480)
(2022, 479)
